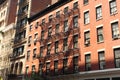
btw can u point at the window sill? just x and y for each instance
(85, 4)
(86, 24)
(87, 45)
(113, 14)
(99, 19)
(100, 42)
(116, 38)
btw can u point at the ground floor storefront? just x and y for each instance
(108, 74)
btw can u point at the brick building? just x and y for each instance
(75, 39)
(25, 9)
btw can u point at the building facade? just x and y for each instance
(25, 9)
(76, 40)
(6, 35)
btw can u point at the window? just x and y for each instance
(35, 38)
(66, 25)
(101, 56)
(33, 69)
(42, 35)
(41, 51)
(75, 5)
(87, 38)
(85, 2)
(40, 69)
(86, 17)
(65, 44)
(50, 18)
(37, 24)
(43, 21)
(58, 14)
(47, 68)
(55, 67)
(23, 22)
(57, 28)
(87, 62)
(49, 31)
(113, 7)
(75, 64)
(75, 21)
(115, 30)
(117, 57)
(65, 67)
(28, 55)
(100, 34)
(34, 53)
(30, 39)
(48, 49)
(25, 9)
(20, 50)
(65, 10)
(27, 70)
(30, 27)
(75, 41)
(56, 46)
(98, 12)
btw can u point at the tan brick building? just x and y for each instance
(25, 9)
(6, 34)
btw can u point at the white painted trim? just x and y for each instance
(109, 0)
(75, 1)
(86, 10)
(86, 30)
(114, 21)
(75, 55)
(56, 59)
(27, 66)
(114, 47)
(28, 50)
(35, 48)
(48, 61)
(99, 26)
(35, 33)
(87, 53)
(100, 50)
(98, 5)
(58, 10)
(49, 43)
(100, 71)
(65, 7)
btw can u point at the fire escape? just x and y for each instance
(73, 29)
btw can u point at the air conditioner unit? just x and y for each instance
(116, 36)
(87, 42)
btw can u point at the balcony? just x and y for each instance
(15, 76)
(15, 57)
(20, 41)
(23, 2)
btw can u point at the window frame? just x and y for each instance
(98, 12)
(114, 8)
(101, 60)
(116, 58)
(86, 17)
(87, 38)
(88, 62)
(100, 34)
